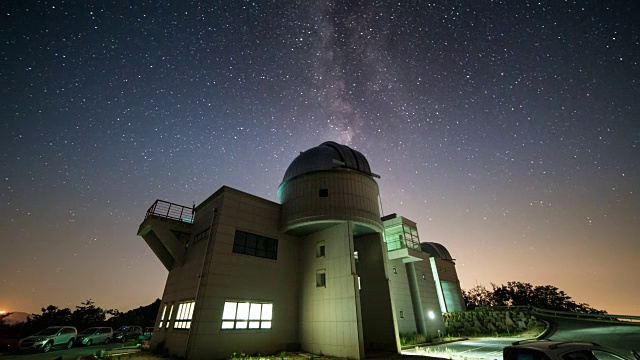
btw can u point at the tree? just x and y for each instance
(142, 316)
(478, 296)
(88, 315)
(516, 293)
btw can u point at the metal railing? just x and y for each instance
(567, 314)
(586, 316)
(173, 211)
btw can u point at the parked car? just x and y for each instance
(127, 332)
(95, 335)
(53, 336)
(557, 350)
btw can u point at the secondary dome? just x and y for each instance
(326, 156)
(436, 250)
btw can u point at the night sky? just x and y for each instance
(508, 130)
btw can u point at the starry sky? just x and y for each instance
(508, 130)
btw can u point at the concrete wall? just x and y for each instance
(378, 323)
(401, 296)
(232, 276)
(429, 297)
(329, 315)
(351, 196)
(182, 285)
(447, 272)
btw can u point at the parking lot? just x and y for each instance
(72, 353)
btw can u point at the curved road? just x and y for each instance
(617, 336)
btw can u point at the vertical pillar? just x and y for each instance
(418, 312)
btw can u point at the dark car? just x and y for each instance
(127, 332)
(561, 350)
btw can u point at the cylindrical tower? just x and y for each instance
(327, 184)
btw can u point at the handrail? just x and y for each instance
(170, 210)
(568, 314)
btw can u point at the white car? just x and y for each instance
(95, 335)
(53, 336)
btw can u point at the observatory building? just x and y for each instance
(321, 272)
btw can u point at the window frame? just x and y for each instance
(247, 243)
(321, 278)
(184, 315)
(245, 319)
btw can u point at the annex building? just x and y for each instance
(322, 271)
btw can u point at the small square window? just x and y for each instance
(321, 278)
(320, 250)
(324, 192)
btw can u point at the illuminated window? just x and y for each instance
(246, 315)
(321, 278)
(164, 310)
(184, 315)
(255, 245)
(320, 249)
(169, 317)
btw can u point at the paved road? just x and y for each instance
(485, 348)
(71, 354)
(613, 335)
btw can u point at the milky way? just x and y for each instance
(508, 130)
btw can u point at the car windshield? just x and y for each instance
(89, 331)
(124, 328)
(49, 331)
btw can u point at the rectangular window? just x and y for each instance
(239, 315)
(164, 310)
(255, 245)
(321, 278)
(324, 192)
(169, 317)
(320, 249)
(184, 315)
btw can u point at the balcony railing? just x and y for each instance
(173, 211)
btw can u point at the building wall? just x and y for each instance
(232, 276)
(401, 297)
(329, 315)
(429, 297)
(351, 196)
(182, 285)
(378, 323)
(451, 291)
